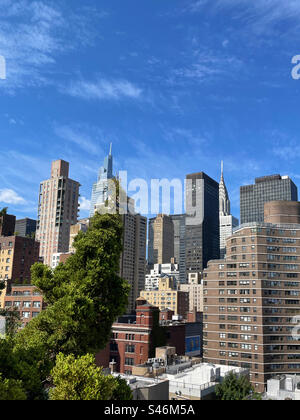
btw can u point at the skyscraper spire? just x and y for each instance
(101, 191)
(223, 195)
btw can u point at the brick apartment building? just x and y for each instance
(135, 337)
(167, 296)
(17, 255)
(25, 299)
(251, 298)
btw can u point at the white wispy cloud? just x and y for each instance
(77, 136)
(104, 89)
(85, 204)
(185, 136)
(33, 34)
(261, 16)
(288, 152)
(283, 145)
(206, 66)
(8, 196)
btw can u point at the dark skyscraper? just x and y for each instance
(202, 222)
(7, 224)
(179, 244)
(265, 189)
(25, 227)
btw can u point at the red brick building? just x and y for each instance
(134, 338)
(27, 300)
(17, 255)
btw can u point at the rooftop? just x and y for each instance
(200, 380)
(265, 226)
(283, 387)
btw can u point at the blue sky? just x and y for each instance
(176, 85)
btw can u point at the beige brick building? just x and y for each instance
(81, 226)
(167, 296)
(161, 240)
(252, 299)
(195, 290)
(58, 210)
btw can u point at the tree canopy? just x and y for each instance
(80, 379)
(11, 390)
(84, 297)
(235, 388)
(3, 211)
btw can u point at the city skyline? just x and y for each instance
(159, 96)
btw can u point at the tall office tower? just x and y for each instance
(18, 254)
(252, 298)
(161, 240)
(7, 225)
(179, 244)
(227, 221)
(133, 258)
(267, 188)
(25, 227)
(100, 192)
(58, 210)
(202, 236)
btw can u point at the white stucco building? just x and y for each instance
(160, 271)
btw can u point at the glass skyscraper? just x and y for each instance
(265, 189)
(202, 240)
(100, 191)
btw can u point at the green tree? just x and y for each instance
(13, 320)
(80, 379)
(26, 365)
(235, 388)
(84, 297)
(11, 390)
(3, 212)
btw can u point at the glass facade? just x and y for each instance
(100, 191)
(202, 222)
(265, 189)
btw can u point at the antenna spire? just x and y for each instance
(110, 149)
